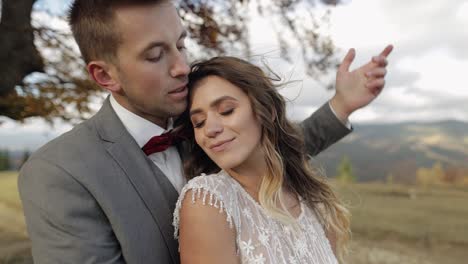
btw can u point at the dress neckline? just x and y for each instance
(257, 204)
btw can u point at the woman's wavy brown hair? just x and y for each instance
(283, 145)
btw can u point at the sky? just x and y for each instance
(427, 70)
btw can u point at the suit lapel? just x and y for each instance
(156, 196)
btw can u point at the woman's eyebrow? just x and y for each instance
(214, 103)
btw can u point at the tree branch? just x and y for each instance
(18, 54)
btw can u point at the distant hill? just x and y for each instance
(377, 150)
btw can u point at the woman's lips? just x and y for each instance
(222, 145)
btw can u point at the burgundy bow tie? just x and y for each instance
(159, 143)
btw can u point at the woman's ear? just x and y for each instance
(104, 75)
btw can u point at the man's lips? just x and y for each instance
(180, 89)
(221, 145)
(179, 94)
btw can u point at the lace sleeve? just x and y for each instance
(208, 190)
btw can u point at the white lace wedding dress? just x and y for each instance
(260, 238)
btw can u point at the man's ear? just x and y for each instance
(104, 75)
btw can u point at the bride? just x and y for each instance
(259, 201)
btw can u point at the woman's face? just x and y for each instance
(224, 124)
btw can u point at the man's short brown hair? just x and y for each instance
(93, 26)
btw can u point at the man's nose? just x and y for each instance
(180, 67)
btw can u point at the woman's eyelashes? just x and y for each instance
(227, 112)
(200, 123)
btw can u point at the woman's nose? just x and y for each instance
(213, 126)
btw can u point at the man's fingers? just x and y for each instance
(387, 51)
(348, 59)
(380, 60)
(376, 84)
(376, 91)
(377, 73)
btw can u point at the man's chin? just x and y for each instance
(177, 109)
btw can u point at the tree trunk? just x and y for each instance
(18, 54)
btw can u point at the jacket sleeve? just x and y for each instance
(64, 221)
(322, 129)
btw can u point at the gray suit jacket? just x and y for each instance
(92, 195)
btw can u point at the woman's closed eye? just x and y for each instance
(198, 124)
(227, 112)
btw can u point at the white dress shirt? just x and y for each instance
(142, 130)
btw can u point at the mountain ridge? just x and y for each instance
(399, 149)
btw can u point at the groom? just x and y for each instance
(92, 195)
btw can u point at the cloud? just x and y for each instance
(434, 22)
(462, 13)
(426, 79)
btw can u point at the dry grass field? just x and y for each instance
(391, 224)
(14, 243)
(401, 224)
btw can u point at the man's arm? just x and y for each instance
(65, 223)
(322, 129)
(354, 90)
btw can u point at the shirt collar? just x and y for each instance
(141, 129)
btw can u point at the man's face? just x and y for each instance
(151, 63)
